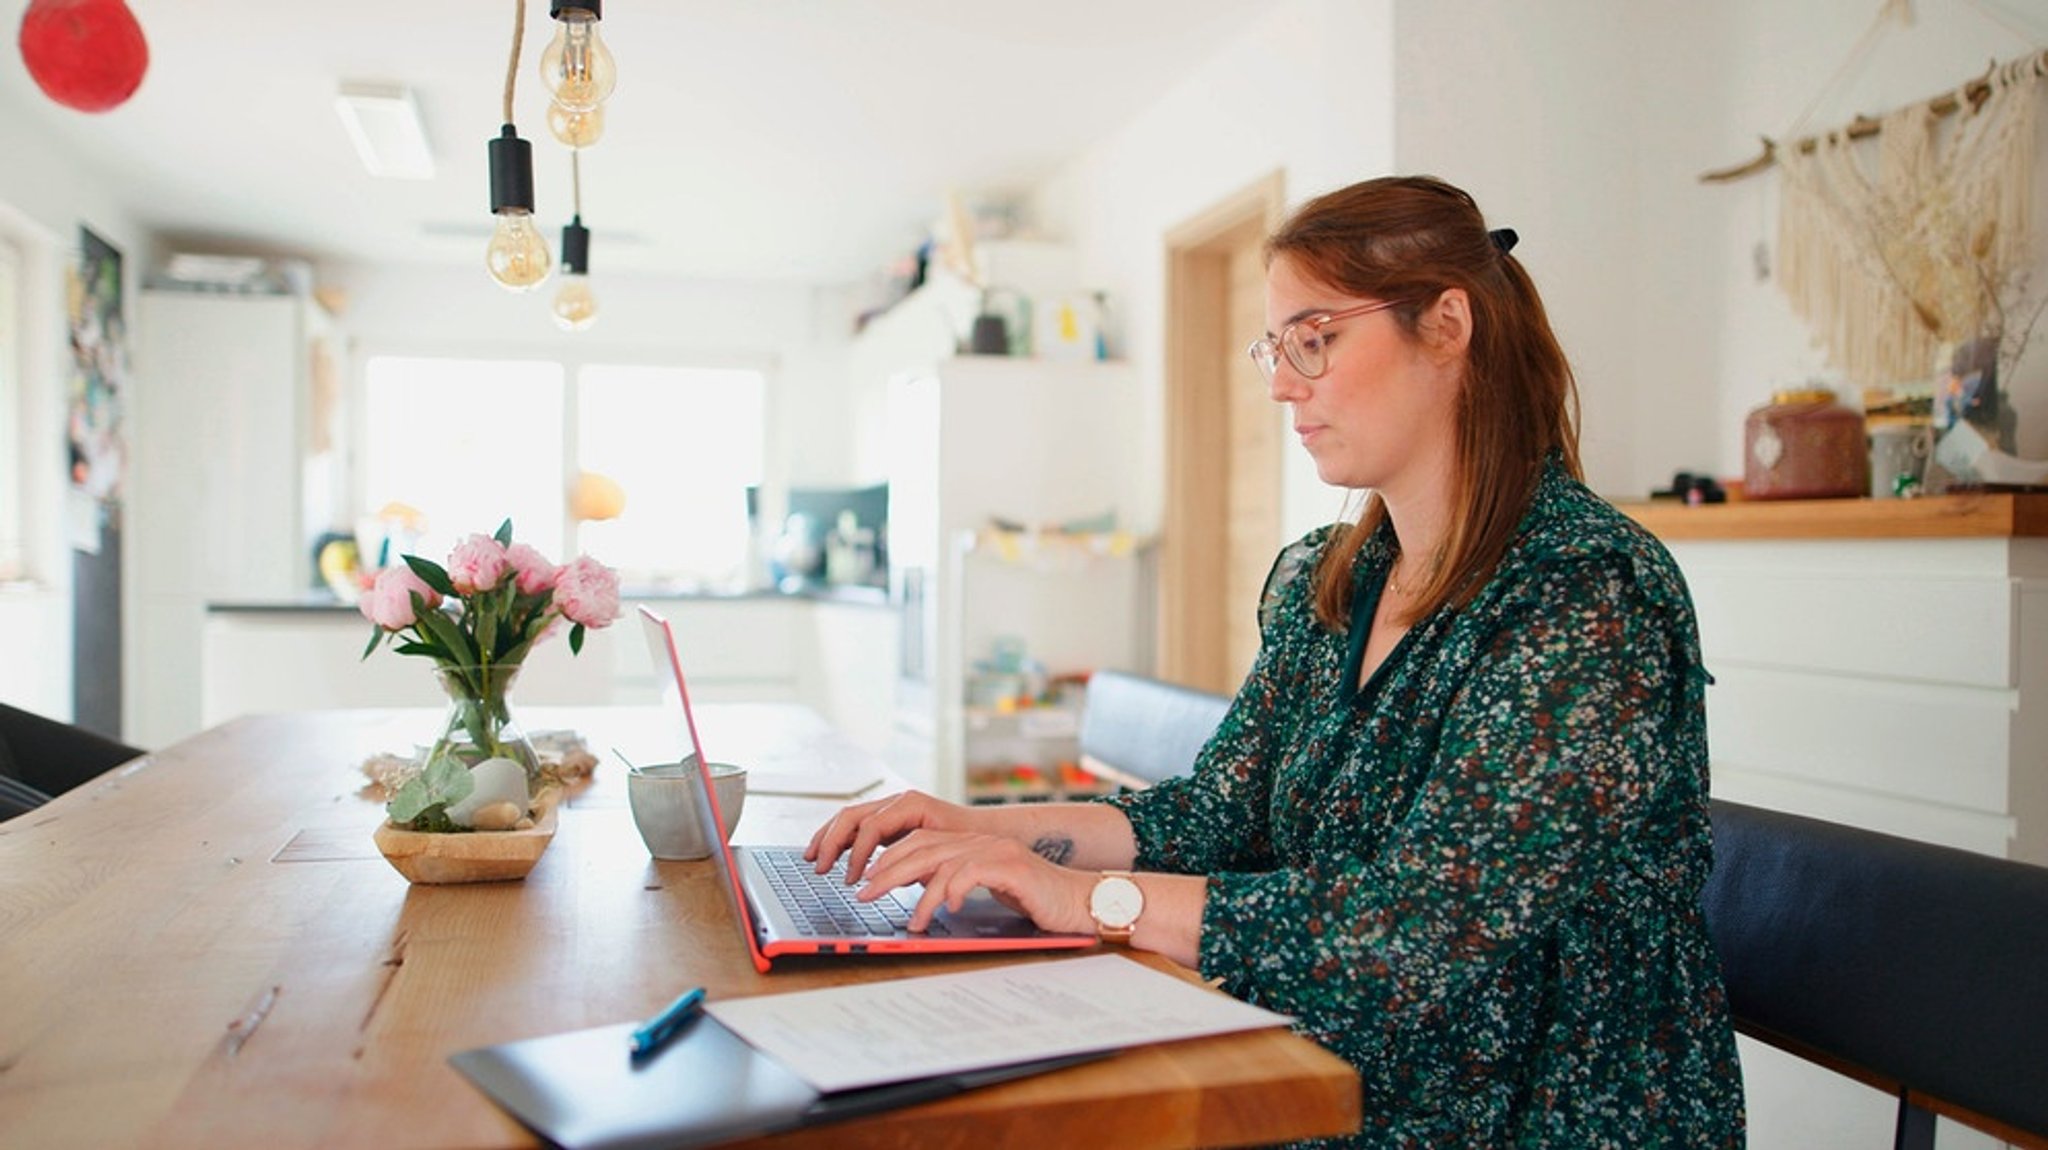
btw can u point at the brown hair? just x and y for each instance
(1410, 238)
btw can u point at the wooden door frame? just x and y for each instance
(1193, 545)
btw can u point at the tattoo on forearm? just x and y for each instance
(1054, 848)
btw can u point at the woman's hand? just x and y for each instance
(860, 830)
(951, 864)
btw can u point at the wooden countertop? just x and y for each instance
(1980, 515)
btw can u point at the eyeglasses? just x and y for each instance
(1302, 342)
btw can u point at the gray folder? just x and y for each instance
(584, 1089)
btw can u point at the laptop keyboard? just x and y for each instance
(823, 904)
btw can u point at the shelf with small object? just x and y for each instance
(1022, 733)
(1065, 781)
(1050, 547)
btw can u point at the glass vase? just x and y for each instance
(479, 723)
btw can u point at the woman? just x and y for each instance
(1455, 821)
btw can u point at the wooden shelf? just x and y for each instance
(1983, 515)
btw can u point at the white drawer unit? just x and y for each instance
(1895, 683)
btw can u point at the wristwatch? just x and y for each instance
(1115, 903)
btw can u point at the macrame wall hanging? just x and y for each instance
(1902, 234)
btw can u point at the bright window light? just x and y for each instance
(467, 443)
(684, 444)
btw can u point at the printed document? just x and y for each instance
(846, 1037)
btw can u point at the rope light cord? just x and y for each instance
(576, 181)
(512, 66)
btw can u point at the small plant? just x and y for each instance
(422, 803)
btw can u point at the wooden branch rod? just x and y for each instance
(1976, 92)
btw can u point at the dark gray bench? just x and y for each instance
(1917, 969)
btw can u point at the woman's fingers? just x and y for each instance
(953, 865)
(829, 841)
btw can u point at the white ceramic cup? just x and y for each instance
(664, 801)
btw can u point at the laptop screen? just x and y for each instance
(661, 646)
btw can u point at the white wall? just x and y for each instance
(45, 194)
(1583, 124)
(1306, 90)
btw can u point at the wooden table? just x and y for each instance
(203, 948)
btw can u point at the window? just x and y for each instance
(683, 443)
(466, 443)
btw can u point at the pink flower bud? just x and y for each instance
(535, 573)
(587, 592)
(477, 564)
(388, 602)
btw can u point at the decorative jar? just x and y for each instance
(1804, 444)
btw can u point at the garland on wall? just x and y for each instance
(1904, 234)
(1890, 257)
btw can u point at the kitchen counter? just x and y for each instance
(1974, 515)
(855, 594)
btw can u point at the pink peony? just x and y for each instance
(388, 602)
(534, 572)
(587, 592)
(477, 564)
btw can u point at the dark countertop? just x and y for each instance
(320, 602)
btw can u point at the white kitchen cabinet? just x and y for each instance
(279, 658)
(220, 429)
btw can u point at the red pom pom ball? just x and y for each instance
(84, 54)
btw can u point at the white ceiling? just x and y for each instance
(747, 139)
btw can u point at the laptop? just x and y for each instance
(784, 907)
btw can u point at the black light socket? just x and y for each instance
(511, 172)
(594, 7)
(575, 247)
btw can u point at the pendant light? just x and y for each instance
(517, 256)
(576, 129)
(576, 66)
(575, 305)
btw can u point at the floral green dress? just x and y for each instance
(1478, 878)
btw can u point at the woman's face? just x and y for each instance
(1384, 408)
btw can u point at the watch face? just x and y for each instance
(1116, 901)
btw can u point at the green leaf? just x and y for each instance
(576, 639)
(504, 533)
(447, 780)
(431, 650)
(430, 573)
(411, 799)
(376, 636)
(485, 627)
(437, 626)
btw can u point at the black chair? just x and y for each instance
(1918, 969)
(1136, 731)
(41, 758)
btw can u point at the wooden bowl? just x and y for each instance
(470, 856)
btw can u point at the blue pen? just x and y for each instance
(662, 1027)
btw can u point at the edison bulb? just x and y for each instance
(576, 66)
(575, 305)
(518, 256)
(576, 129)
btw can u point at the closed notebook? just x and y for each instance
(586, 1091)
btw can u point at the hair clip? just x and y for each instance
(1504, 239)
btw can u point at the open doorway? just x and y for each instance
(1223, 441)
